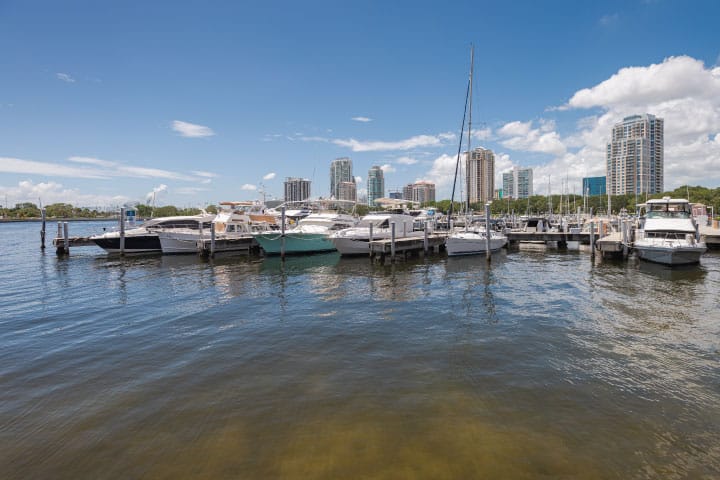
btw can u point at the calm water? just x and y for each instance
(540, 365)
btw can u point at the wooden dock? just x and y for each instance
(560, 237)
(711, 237)
(382, 250)
(240, 245)
(61, 247)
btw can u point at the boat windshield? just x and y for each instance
(668, 210)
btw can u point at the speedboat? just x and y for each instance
(144, 239)
(234, 220)
(473, 241)
(356, 240)
(669, 235)
(309, 235)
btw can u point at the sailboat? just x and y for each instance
(472, 239)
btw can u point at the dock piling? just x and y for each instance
(425, 237)
(592, 241)
(42, 230)
(487, 232)
(212, 243)
(66, 238)
(370, 240)
(282, 233)
(392, 241)
(122, 231)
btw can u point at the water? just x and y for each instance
(537, 366)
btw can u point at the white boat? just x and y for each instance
(144, 239)
(310, 235)
(473, 242)
(472, 239)
(669, 235)
(356, 240)
(234, 220)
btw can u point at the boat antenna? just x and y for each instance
(457, 162)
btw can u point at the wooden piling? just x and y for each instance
(212, 243)
(425, 237)
(392, 241)
(592, 240)
(66, 238)
(370, 240)
(487, 232)
(282, 233)
(122, 231)
(42, 230)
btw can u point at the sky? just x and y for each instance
(191, 103)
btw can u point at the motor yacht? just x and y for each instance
(309, 235)
(356, 240)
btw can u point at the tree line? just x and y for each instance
(535, 205)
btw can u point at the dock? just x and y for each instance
(711, 237)
(62, 247)
(382, 250)
(207, 247)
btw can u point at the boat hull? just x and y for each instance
(670, 255)
(294, 243)
(148, 243)
(360, 245)
(178, 243)
(468, 243)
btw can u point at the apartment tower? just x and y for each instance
(341, 172)
(375, 185)
(480, 169)
(635, 156)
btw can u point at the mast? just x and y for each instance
(467, 161)
(457, 161)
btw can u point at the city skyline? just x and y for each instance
(195, 104)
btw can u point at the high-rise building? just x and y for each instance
(340, 171)
(408, 192)
(594, 186)
(375, 185)
(635, 156)
(347, 191)
(480, 170)
(396, 194)
(297, 189)
(423, 192)
(518, 183)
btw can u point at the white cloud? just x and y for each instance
(406, 161)
(523, 137)
(53, 192)
(248, 186)
(191, 130)
(358, 179)
(417, 141)
(152, 196)
(387, 168)
(269, 176)
(442, 174)
(200, 173)
(362, 119)
(65, 77)
(45, 169)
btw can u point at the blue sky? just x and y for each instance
(102, 103)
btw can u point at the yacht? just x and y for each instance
(356, 240)
(309, 235)
(144, 239)
(669, 235)
(473, 241)
(234, 220)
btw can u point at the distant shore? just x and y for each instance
(97, 219)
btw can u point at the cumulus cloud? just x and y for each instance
(65, 77)
(358, 180)
(406, 161)
(53, 192)
(249, 187)
(269, 176)
(387, 168)
(191, 130)
(522, 136)
(362, 119)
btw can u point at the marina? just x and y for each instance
(539, 363)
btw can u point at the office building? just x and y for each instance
(340, 172)
(480, 172)
(347, 191)
(297, 189)
(375, 185)
(594, 186)
(518, 183)
(635, 156)
(423, 192)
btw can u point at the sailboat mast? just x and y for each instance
(467, 162)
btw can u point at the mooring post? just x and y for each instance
(370, 240)
(59, 234)
(66, 238)
(42, 230)
(212, 243)
(122, 231)
(624, 237)
(487, 232)
(392, 241)
(425, 237)
(282, 233)
(592, 240)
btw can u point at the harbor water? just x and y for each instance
(537, 365)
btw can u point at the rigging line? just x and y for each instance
(457, 162)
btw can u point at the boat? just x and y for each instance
(356, 240)
(309, 235)
(235, 220)
(669, 235)
(472, 239)
(144, 239)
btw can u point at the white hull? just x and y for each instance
(179, 242)
(294, 243)
(670, 254)
(360, 244)
(473, 243)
